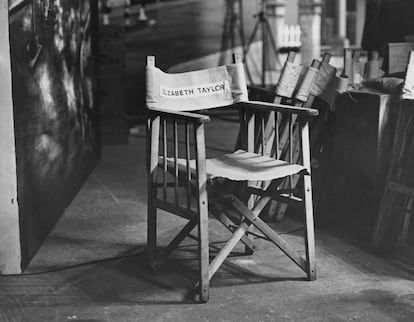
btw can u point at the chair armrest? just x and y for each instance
(178, 115)
(287, 109)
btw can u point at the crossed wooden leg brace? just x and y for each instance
(224, 209)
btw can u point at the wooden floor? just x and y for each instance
(93, 266)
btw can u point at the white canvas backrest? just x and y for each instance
(196, 90)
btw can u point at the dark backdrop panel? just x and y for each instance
(387, 21)
(54, 94)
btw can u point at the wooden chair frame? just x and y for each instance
(223, 205)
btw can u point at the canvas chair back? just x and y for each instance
(195, 90)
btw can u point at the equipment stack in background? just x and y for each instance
(114, 124)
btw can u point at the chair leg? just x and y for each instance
(307, 188)
(204, 286)
(153, 126)
(202, 206)
(309, 229)
(152, 233)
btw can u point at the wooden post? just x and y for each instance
(10, 252)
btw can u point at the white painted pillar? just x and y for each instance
(276, 13)
(310, 24)
(360, 20)
(341, 18)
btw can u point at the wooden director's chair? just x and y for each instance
(182, 181)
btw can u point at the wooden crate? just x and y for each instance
(396, 56)
(360, 158)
